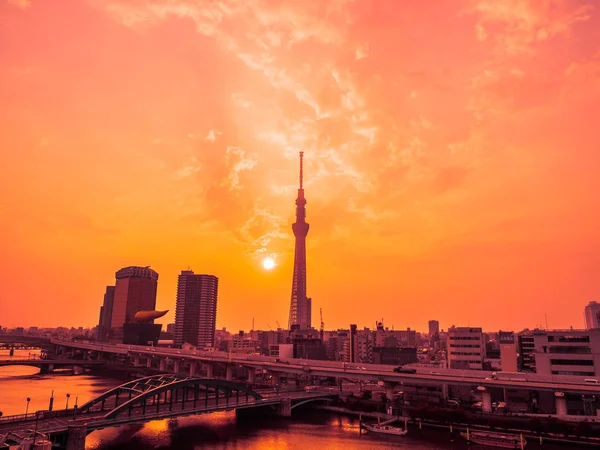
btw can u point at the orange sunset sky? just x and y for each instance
(451, 157)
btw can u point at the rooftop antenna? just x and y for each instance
(546, 315)
(253, 324)
(301, 166)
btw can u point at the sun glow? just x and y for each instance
(268, 263)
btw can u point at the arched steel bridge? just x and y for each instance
(158, 397)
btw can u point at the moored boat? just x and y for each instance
(385, 429)
(493, 439)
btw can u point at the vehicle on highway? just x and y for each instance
(590, 380)
(401, 369)
(453, 403)
(508, 376)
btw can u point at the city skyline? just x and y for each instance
(452, 164)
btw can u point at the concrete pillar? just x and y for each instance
(193, 369)
(136, 361)
(229, 372)
(149, 361)
(561, 404)
(209, 371)
(389, 390)
(163, 365)
(251, 375)
(76, 433)
(176, 366)
(284, 409)
(486, 399)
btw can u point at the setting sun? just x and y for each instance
(268, 263)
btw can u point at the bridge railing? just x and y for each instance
(44, 414)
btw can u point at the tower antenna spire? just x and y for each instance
(301, 167)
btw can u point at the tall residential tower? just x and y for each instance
(196, 310)
(300, 305)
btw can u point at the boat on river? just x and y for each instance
(385, 429)
(493, 439)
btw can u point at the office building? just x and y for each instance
(466, 349)
(567, 352)
(434, 328)
(135, 291)
(196, 309)
(508, 351)
(592, 316)
(526, 350)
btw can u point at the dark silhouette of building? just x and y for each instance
(434, 328)
(394, 356)
(196, 310)
(106, 314)
(300, 305)
(135, 333)
(352, 346)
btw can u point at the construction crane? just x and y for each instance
(322, 329)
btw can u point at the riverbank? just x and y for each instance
(541, 438)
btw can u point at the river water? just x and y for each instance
(307, 430)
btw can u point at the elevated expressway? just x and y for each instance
(175, 360)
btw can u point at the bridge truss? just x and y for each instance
(165, 393)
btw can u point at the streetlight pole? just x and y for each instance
(75, 408)
(27, 407)
(67, 405)
(37, 418)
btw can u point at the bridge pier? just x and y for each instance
(251, 375)
(561, 404)
(163, 365)
(136, 361)
(176, 366)
(193, 368)
(210, 371)
(229, 372)
(486, 399)
(76, 433)
(149, 361)
(284, 409)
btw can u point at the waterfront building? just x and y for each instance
(134, 291)
(196, 309)
(466, 348)
(567, 352)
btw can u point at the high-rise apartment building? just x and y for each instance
(196, 310)
(466, 348)
(135, 290)
(434, 328)
(592, 316)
